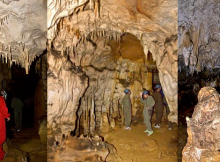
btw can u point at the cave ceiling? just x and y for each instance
(22, 31)
(87, 35)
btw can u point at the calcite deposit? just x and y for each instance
(203, 129)
(96, 49)
(199, 57)
(199, 30)
(81, 149)
(22, 31)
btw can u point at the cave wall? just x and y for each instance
(198, 35)
(41, 88)
(72, 28)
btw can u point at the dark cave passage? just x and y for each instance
(26, 102)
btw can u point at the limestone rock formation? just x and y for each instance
(22, 31)
(96, 49)
(203, 129)
(80, 149)
(14, 153)
(199, 30)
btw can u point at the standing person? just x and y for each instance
(127, 108)
(17, 105)
(170, 124)
(158, 105)
(4, 94)
(3, 114)
(148, 110)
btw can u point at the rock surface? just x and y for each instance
(79, 149)
(91, 59)
(199, 30)
(203, 128)
(22, 31)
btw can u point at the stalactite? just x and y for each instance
(92, 118)
(114, 36)
(84, 115)
(87, 115)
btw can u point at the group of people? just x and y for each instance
(155, 102)
(17, 105)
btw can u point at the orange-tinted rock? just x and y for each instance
(204, 128)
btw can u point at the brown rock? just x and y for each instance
(203, 128)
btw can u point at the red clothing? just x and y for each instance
(3, 114)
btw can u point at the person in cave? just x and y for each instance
(3, 115)
(149, 102)
(126, 102)
(4, 94)
(158, 105)
(170, 124)
(17, 105)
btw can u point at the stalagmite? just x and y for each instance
(203, 128)
(108, 58)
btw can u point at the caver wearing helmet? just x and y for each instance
(127, 91)
(126, 101)
(148, 102)
(158, 86)
(158, 105)
(4, 94)
(145, 94)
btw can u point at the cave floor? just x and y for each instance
(135, 146)
(29, 142)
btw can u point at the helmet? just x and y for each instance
(4, 94)
(157, 86)
(126, 91)
(146, 92)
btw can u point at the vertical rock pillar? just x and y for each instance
(203, 143)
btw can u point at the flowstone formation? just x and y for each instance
(199, 41)
(22, 31)
(203, 129)
(96, 49)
